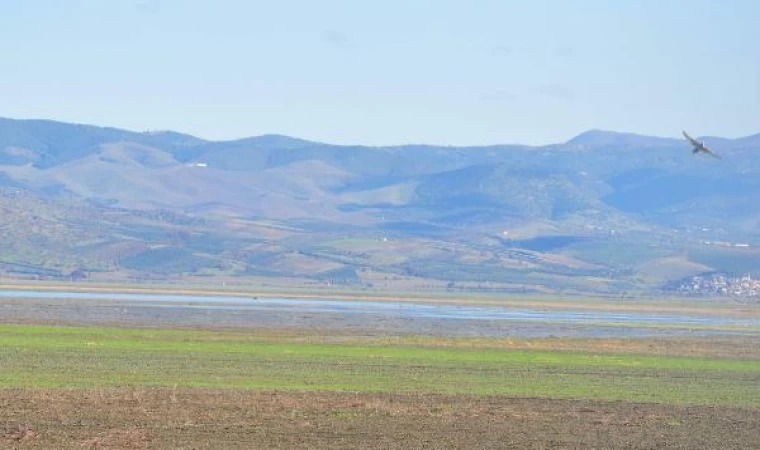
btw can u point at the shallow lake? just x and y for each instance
(394, 317)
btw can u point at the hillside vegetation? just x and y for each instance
(603, 212)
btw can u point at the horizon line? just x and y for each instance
(316, 141)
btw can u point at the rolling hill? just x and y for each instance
(604, 211)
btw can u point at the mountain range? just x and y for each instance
(605, 211)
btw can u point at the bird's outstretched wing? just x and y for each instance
(710, 152)
(691, 140)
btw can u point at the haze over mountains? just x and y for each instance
(630, 210)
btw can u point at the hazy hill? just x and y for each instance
(46, 143)
(602, 138)
(598, 192)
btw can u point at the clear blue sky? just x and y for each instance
(386, 72)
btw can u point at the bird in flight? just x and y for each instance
(699, 146)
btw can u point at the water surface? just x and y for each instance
(402, 317)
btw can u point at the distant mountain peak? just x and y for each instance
(174, 137)
(603, 138)
(279, 141)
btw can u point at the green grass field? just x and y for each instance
(45, 357)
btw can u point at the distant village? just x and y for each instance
(720, 285)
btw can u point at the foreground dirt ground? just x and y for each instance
(234, 419)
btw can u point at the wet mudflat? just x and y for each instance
(386, 317)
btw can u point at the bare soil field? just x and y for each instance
(146, 418)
